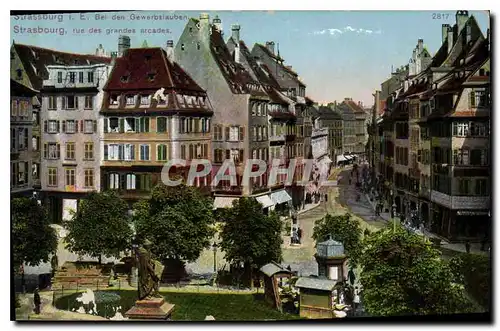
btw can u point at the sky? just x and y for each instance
(337, 54)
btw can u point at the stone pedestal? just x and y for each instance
(155, 309)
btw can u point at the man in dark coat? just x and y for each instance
(37, 301)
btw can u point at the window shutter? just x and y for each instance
(58, 151)
(227, 133)
(58, 126)
(132, 151)
(241, 155)
(64, 126)
(138, 182)
(205, 152)
(95, 126)
(207, 125)
(105, 152)
(122, 125)
(228, 154)
(146, 124)
(121, 152)
(472, 99)
(45, 150)
(63, 102)
(123, 181)
(45, 126)
(76, 102)
(81, 125)
(191, 152)
(242, 133)
(76, 126)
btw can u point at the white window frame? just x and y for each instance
(52, 126)
(234, 133)
(145, 147)
(130, 100)
(74, 123)
(113, 152)
(131, 181)
(89, 105)
(51, 102)
(114, 181)
(127, 127)
(85, 126)
(110, 129)
(75, 103)
(145, 100)
(128, 154)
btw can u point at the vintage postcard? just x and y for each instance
(250, 165)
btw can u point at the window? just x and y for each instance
(80, 77)
(182, 47)
(88, 151)
(90, 76)
(479, 99)
(232, 133)
(89, 126)
(235, 155)
(130, 100)
(129, 124)
(461, 129)
(70, 102)
(142, 124)
(52, 102)
(113, 125)
(129, 152)
(34, 170)
(144, 152)
(161, 124)
(89, 101)
(14, 108)
(114, 181)
(463, 186)
(144, 182)
(161, 152)
(70, 151)
(130, 181)
(481, 187)
(59, 77)
(217, 136)
(22, 174)
(112, 152)
(70, 176)
(70, 126)
(461, 156)
(113, 100)
(23, 138)
(52, 151)
(52, 180)
(35, 143)
(89, 178)
(72, 77)
(183, 152)
(145, 100)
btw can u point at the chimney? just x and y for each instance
(289, 67)
(420, 45)
(123, 44)
(461, 16)
(217, 23)
(204, 17)
(270, 46)
(444, 31)
(114, 55)
(235, 29)
(170, 50)
(450, 40)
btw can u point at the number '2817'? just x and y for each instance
(440, 16)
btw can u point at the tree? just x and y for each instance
(100, 226)
(33, 239)
(177, 220)
(249, 236)
(342, 228)
(403, 275)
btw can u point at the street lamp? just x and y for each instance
(394, 215)
(214, 247)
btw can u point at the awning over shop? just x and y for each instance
(326, 159)
(349, 157)
(265, 200)
(280, 196)
(223, 202)
(341, 158)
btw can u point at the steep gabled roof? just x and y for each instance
(148, 69)
(17, 89)
(234, 73)
(279, 61)
(35, 59)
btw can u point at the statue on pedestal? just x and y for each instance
(150, 272)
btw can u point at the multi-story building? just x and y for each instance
(33, 67)
(326, 118)
(24, 146)
(152, 112)
(295, 89)
(71, 98)
(440, 117)
(349, 138)
(235, 95)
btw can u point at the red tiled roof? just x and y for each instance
(236, 75)
(467, 113)
(148, 69)
(38, 58)
(354, 106)
(18, 89)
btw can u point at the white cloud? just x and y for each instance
(347, 29)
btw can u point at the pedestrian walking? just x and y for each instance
(467, 246)
(326, 197)
(356, 299)
(299, 235)
(37, 301)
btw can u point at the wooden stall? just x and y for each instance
(274, 276)
(317, 297)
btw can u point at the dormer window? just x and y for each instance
(130, 100)
(124, 78)
(145, 100)
(180, 99)
(113, 100)
(19, 73)
(201, 101)
(198, 46)
(182, 47)
(151, 76)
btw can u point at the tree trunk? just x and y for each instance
(100, 259)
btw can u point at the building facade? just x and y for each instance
(152, 112)
(349, 138)
(24, 145)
